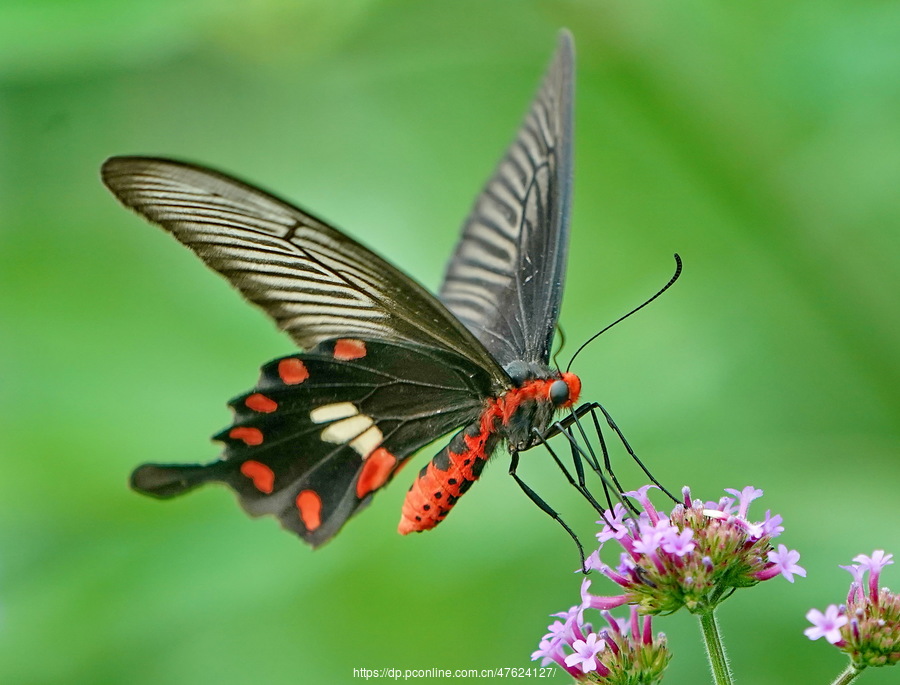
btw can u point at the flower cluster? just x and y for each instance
(624, 652)
(867, 628)
(694, 557)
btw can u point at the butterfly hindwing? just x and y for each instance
(325, 429)
(505, 279)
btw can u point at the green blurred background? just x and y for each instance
(760, 140)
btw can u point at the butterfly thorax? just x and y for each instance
(529, 406)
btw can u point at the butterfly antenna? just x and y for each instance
(636, 309)
(562, 344)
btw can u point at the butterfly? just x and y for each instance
(386, 367)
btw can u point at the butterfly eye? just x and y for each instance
(559, 392)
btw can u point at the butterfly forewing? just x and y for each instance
(316, 282)
(388, 368)
(505, 279)
(323, 430)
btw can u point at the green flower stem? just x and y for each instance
(715, 651)
(849, 675)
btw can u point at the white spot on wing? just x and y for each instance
(366, 443)
(332, 412)
(344, 431)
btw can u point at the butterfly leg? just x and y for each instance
(612, 424)
(579, 482)
(565, 424)
(579, 453)
(586, 452)
(611, 484)
(546, 508)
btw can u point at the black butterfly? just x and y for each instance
(388, 367)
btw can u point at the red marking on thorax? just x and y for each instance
(309, 504)
(346, 349)
(538, 389)
(262, 476)
(261, 403)
(375, 471)
(250, 435)
(292, 371)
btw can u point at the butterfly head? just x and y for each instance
(538, 395)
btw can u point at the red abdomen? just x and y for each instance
(446, 477)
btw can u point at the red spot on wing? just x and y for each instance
(292, 371)
(309, 504)
(262, 476)
(261, 403)
(250, 436)
(346, 349)
(375, 471)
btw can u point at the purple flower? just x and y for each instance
(827, 625)
(569, 628)
(771, 525)
(868, 628)
(873, 565)
(679, 543)
(692, 557)
(593, 563)
(641, 496)
(613, 523)
(573, 614)
(557, 630)
(585, 653)
(627, 651)
(856, 587)
(784, 562)
(589, 601)
(876, 562)
(745, 497)
(649, 540)
(724, 505)
(545, 652)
